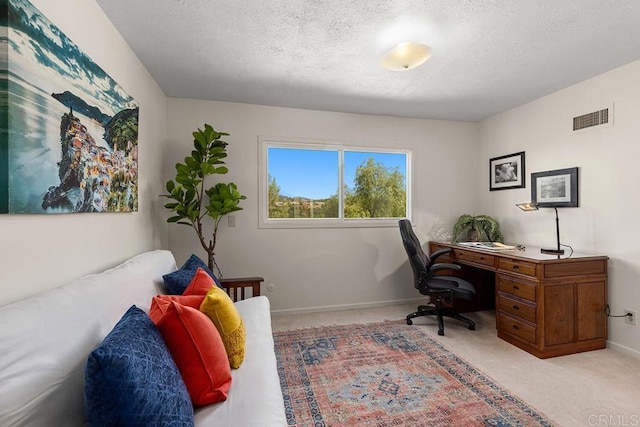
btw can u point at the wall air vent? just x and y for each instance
(597, 118)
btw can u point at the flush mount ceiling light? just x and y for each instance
(406, 56)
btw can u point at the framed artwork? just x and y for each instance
(68, 131)
(555, 189)
(507, 172)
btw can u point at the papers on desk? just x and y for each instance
(491, 246)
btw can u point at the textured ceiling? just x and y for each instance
(488, 56)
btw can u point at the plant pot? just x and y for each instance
(472, 236)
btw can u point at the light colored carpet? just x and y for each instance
(596, 388)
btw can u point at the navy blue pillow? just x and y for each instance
(130, 379)
(178, 281)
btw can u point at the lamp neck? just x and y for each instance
(557, 228)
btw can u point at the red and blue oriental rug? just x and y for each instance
(388, 374)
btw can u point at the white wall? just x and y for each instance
(608, 179)
(43, 251)
(313, 268)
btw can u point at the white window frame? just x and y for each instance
(264, 221)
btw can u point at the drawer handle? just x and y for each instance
(516, 288)
(515, 307)
(481, 258)
(516, 327)
(515, 267)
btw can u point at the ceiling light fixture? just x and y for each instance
(406, 56)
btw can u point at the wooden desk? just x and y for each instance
(547, 305)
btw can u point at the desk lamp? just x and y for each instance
(527, 207)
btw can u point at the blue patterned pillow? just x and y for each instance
(130, 379)
(178, 281)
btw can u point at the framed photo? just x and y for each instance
(555, 189)
(507, 172)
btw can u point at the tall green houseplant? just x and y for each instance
(192, 201)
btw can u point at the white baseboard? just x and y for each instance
(623, 349)
(357, 306)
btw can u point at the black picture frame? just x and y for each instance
(507, 172)
(555, 189)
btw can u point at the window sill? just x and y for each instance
(321, 223)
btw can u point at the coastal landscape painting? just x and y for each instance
(68, 131)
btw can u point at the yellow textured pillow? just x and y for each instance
(220, 309)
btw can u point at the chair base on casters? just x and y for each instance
(440, 312)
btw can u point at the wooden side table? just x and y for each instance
(237, 286)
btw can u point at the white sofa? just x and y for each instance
(45, 341)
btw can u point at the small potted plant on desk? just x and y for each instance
(477, 227)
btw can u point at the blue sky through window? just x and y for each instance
(314, 173)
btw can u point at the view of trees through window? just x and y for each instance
(305, 183)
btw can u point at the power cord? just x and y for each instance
(568, 246)
(607, 311)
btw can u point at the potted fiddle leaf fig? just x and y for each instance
(193, 201)
(477, 227)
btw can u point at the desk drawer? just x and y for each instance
(517, 308)
(475, 257)
(517, 266)
(517, 328)
(518, 288)
(577, 268)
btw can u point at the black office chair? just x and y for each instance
(437, 287)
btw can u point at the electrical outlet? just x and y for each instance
(271, 287)
(231, 220)
(630, 317)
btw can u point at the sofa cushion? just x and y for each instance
(255, 397)
(220, 309)
(131, 379)
(200, 283)
(178, 280)
(197, 349)
(160, 304)
(45, 339)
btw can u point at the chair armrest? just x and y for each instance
(440, 266)
(444, 266)
(439, 252)
(433, 256)
(428, 274)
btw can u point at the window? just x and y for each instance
(309, 184)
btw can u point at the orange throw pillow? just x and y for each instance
(200, 284)
(160, 304)
(197, 349)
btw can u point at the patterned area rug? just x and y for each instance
(387, 374)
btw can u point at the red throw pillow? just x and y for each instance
(197, 349)
(200, 284)
(160, 304)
